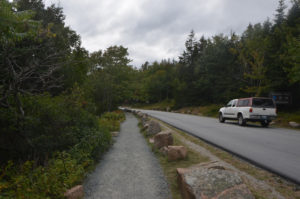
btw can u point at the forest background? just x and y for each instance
(55, 95)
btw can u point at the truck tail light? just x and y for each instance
(250, 110)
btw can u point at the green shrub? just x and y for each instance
(51, 181)
(49, 124)
(50, 148)
(111, 120)
(210, 110)
(116, 115)
(111, 125)
(66, 168)
(92, 146)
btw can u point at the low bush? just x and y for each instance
(286, 116)
(116, 115)
(49, 124)
(63, 141)
(51, 181)
(111, 120)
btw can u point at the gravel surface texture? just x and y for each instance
(128, 170)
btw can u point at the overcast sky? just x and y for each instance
(157, 29)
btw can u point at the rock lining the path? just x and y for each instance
(294, 124)
(75, 192)
(174, 153)
(211, 180)
(115, 134)
(154, 128)
(163, 138)
(144, 119)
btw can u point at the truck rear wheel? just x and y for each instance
(241, 120)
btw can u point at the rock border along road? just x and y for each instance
(275, 149)
(128, 170)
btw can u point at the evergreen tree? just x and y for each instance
(280, 15)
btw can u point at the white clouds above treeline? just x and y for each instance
(157, 29)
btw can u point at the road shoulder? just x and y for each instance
(262, 183)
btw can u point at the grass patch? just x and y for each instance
(169, 167)
(284, 117)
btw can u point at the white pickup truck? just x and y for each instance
(254, 109)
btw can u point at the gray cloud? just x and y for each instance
(157, 29)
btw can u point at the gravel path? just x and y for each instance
(128, 170)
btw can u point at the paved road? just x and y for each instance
(128, 170)
(275, 149)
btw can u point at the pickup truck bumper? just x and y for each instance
(261, 117)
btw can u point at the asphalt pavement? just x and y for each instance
(275, 149)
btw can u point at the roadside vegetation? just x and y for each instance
(61, 169)
(55, 110)
(286, 116)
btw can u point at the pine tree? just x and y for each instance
(280, 15)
